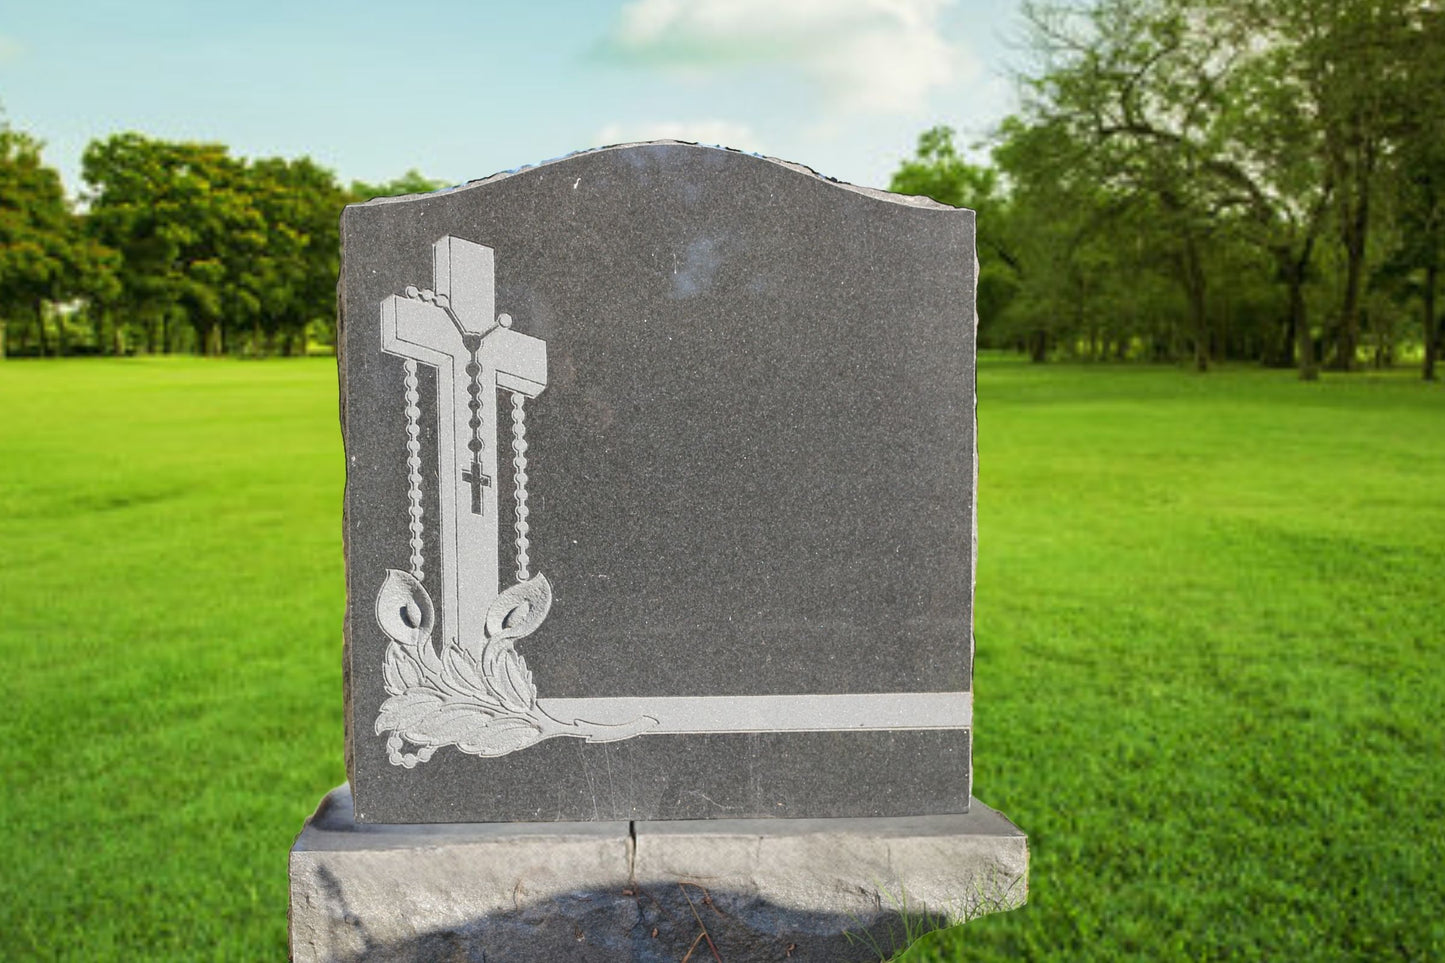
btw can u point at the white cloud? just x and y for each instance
(878, 56)
(723, 132)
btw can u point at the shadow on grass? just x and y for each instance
(663, 925)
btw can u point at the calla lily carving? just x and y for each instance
(478, 697)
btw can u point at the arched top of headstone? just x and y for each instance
(666, 151)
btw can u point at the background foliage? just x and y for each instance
(1206, 180)
(171, 247)
(1187, 181)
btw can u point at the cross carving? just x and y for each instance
(474, 477)
(448, 328)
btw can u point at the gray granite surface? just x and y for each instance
(750, 471)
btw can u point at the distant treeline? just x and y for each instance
(1202, 180)
(170, 247)
(1186, 181)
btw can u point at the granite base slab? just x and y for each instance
(740, 890)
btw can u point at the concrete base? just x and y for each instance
(739, 890)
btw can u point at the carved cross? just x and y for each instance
(441, 331)
(477, 479)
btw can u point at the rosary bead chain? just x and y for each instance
(413, 470)
(519, 479)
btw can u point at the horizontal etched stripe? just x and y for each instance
(773, 713)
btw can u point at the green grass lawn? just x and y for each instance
(1209, 683)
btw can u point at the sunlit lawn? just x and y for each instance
(1210, 613)
(170, 623)
(1211, 664)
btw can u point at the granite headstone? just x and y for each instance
(660, 495)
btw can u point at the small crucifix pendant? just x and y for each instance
(477, 479)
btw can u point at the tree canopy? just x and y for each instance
(171, 246)
(45, 256)
(1186, 181)
(1213, 179)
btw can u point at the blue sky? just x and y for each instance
(460, 90)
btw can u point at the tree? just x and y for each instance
(45, 256)
(191, 239)
(1418, 176)
(1062, 252)
(1343, 60)
(34, 230)
(1137, 85)
(1212, 144)
(1068, 250)
(301, 204)
(1193, 104)
(1416, 262)
(938, 171)
(412, 182)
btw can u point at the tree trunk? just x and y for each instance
(2, 339)
(40, 327)
(1039, 347)
(1079, 312)
(1221, 349)
(1194, 287)
(213, 340)
(1349, 329)
(1292, 269)
(1284, 351)
(1304, 343)
(62, 347)
(1434, 339)
(1356, 224)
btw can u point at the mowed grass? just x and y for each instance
(1209, 682)
(170, 627)
(1211, 664)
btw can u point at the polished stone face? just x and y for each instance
(660, 495)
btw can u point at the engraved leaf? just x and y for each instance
(391, 678)
(401, 712)
(501, 737)
(447, 724)
(401, 670)
(460, 672)
(517, 611)
(507, 674)
(404, 610)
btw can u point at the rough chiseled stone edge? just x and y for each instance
(909, 200)
(357, 891)
(953, 867)
(356, 888)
